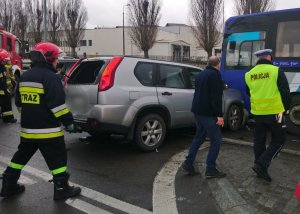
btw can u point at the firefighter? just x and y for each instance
(41, 97)
(270, 100)
(5, 86)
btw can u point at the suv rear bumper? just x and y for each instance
(92, 125)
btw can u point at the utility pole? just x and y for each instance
(45, 21)
(124, 29)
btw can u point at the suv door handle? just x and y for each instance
(166, 93)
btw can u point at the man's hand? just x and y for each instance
(220, 121)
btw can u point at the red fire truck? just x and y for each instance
(10, 43)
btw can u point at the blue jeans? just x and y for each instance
(206, 126)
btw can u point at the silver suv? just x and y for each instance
(138, 98)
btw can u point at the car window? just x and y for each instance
(192, 73)
(65, 67)
(86, 72)
(171, 76)
(144, 73)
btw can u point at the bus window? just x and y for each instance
(288, 44)
(9, 45)
(240, 49)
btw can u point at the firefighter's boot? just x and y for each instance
(62, 189)
(10, 184)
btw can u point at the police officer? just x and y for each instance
(269, 94)
(42, 100)
(5, 96)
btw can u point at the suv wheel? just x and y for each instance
(150, 132)
(234, 117)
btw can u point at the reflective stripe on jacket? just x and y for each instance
(265, 97)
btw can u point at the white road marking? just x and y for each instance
(87, 192)
(164, 198)
(86, 207)
(23, 179)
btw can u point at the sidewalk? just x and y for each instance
(242, 192)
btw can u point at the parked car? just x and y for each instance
(138, 98)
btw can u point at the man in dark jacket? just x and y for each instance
(41, 98)
(270, 99)
(207, 107)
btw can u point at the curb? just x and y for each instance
(246, 143)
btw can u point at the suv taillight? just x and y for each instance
(108, 75)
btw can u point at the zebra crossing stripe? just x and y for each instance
(23, 179)
(87, 192)
(86, 207)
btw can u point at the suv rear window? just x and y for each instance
(86, 72)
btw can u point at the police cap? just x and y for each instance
(263, 52)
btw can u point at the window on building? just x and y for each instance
(82, 42)
(90, 43)
(288, 44)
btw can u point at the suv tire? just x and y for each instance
(234, 117)
(150, 132)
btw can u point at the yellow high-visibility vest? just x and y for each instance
(265, 96)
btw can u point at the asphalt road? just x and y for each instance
(114, 175)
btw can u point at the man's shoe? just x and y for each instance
(261, 173)
(189, 169)
(215, 174)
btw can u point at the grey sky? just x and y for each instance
(108, 13)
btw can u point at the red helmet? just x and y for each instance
(3, 55)
(49, 51)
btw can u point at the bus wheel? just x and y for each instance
(234, 117)
(293, 119)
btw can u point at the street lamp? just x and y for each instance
(127, 5)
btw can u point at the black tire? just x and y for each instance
(234, 117)
(150, 132)
(293, 118)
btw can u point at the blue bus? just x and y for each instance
(277, 30)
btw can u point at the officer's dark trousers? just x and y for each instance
(54, 153)
(5, 103)
(265, 123)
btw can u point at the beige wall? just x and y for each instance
(108, 41)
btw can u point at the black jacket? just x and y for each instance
(282, 84)
(208, 93)
(42, 98)
(3, 83)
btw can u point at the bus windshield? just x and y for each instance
(241, 46)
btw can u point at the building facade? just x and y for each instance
(174, 42)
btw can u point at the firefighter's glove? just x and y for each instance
(71, 128)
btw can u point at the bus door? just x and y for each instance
(238, 58)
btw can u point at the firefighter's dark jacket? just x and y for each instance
(3, 83)
(41, 97)
(282, 84)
